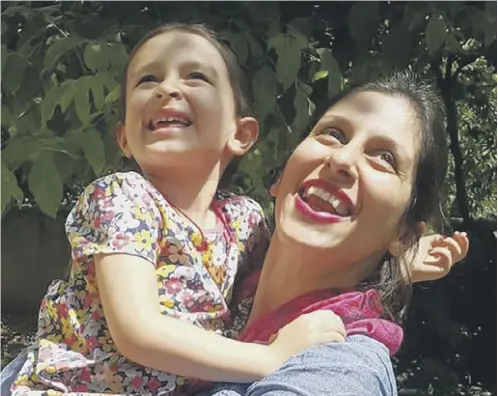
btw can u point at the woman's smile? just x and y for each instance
(323, 202)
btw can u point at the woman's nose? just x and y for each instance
(343, 162)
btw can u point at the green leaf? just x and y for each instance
(288, 50)
(255, 48)
(93, 149)
(302, 106)
(26, 148)
(435, 33)
(10, 188)
(452, 43)
(4, 55)
(81, 100)
(417, 20)
(117, 56)
(49, 102)
(59, 48)
(7, 118)
(265, 88)
(334, 73)
(68, 89)
(397, 45)
(239, 46)
(490, 23)
(45, 183)
(13, 72)
(260, 11)
(97, 89)
(320, 74)
(363, 21)
(92, 55)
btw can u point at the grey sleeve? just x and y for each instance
(359, 367)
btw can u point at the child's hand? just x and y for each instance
(306, 331)
(437, 254)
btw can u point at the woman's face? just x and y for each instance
(346, 187)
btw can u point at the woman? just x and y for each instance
(352, 199)
(331, 201)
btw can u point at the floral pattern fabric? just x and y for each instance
(124, 213)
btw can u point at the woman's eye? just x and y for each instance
(198, 76)
(335, 133)
(147, 78)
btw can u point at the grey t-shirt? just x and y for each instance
(360, 366)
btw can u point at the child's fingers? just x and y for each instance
(454, 247)
(443, 258)
(463, 241)
(437, 240)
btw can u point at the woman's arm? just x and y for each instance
(128, 290)
(360, 366)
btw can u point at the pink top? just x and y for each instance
(360, 310)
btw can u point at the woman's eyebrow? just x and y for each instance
(394, 145)
(337, 119)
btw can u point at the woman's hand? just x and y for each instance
(437, 255)
(306, 331)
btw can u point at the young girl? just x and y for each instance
(148, 250)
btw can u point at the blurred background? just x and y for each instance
(61, 65)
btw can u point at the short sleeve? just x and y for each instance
(115, 214)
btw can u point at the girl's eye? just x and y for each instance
(198, 76)
(388, 157)
(335, 133)
(147, 78)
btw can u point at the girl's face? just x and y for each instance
(179, 104)
(346, 187)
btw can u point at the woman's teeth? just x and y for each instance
(322, 200)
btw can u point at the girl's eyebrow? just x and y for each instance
(156, 64)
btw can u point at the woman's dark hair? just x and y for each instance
(236, 74)
(391, 279)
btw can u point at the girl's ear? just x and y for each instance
(120, 133)
(244, 136)
(274, 188)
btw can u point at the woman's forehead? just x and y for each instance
(391, 110)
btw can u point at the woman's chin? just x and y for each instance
(293, 231)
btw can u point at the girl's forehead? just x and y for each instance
(177, 45)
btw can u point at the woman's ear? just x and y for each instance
(405, 239)
(120, 133)
(243, 138)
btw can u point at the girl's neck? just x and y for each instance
(292, 271)
(191, 194)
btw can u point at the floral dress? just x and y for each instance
(124, 213)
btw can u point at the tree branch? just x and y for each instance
(447, 86)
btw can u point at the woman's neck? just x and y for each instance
(290, 271)
(191, 194)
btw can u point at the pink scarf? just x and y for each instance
(359, 310)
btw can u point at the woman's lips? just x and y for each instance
(319, 217)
